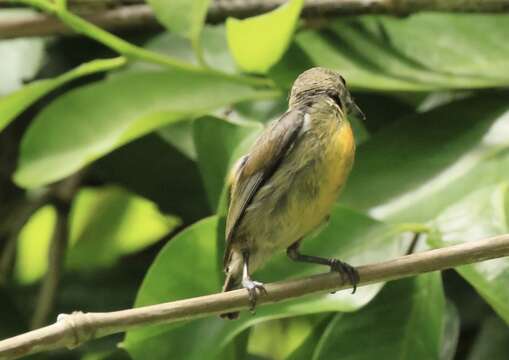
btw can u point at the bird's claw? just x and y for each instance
(251, 286)
(347, 272)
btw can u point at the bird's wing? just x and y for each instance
(253, 170)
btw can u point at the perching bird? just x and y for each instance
(286, 185)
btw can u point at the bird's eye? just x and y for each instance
(335, 97)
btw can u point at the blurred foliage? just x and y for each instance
(154, 131)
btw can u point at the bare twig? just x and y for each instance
(77, 328)
(141, 16)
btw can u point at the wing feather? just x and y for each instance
(253, 170)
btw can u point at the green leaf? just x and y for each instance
(470, 45)
(422, 164)
(217, 143)
(257, 43)
(184, 17)
(89, 122)
(108, 223)
(179, 273)
(387, 53)
(33, 245)
(491, 343)
(481, 214)
(404, 322)
(14, 104)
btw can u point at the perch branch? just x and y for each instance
(140, 16)
(77, 328)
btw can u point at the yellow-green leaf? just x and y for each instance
(259, 42)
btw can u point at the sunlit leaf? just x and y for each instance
(111, 113)
(33, 245)
(108, 223)
(479, 215)
(422, 164)
(388, 53)
(13, 104)
(259, 42)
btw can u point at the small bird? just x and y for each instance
(286, 185)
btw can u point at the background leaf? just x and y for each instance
(420, 165)
(480, 215)
(61, 142)
(259, 42)
(108, 223)
(388, 53)
(412, 313)
(33, 245)
(13, 104)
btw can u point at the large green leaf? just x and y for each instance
(188, 266)
(481, 214)
(412, 169)
(463, 45)
(404, 322)
(216, 141)
(257, 43)
(13, 104)
(386, 53)
(91, 121)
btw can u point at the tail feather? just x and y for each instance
(230, 283)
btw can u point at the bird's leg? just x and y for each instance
(249, 284)
(344, 269)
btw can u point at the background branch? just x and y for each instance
(73, 330)
(136, 15)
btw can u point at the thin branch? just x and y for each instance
(141, 16)
(77, 328)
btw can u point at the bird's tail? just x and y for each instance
(230, 283)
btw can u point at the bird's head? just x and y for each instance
(317, 82)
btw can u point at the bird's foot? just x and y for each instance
(347, 272)
(251, 286)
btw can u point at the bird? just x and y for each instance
(286, 185)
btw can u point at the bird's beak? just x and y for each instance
(354, 109)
